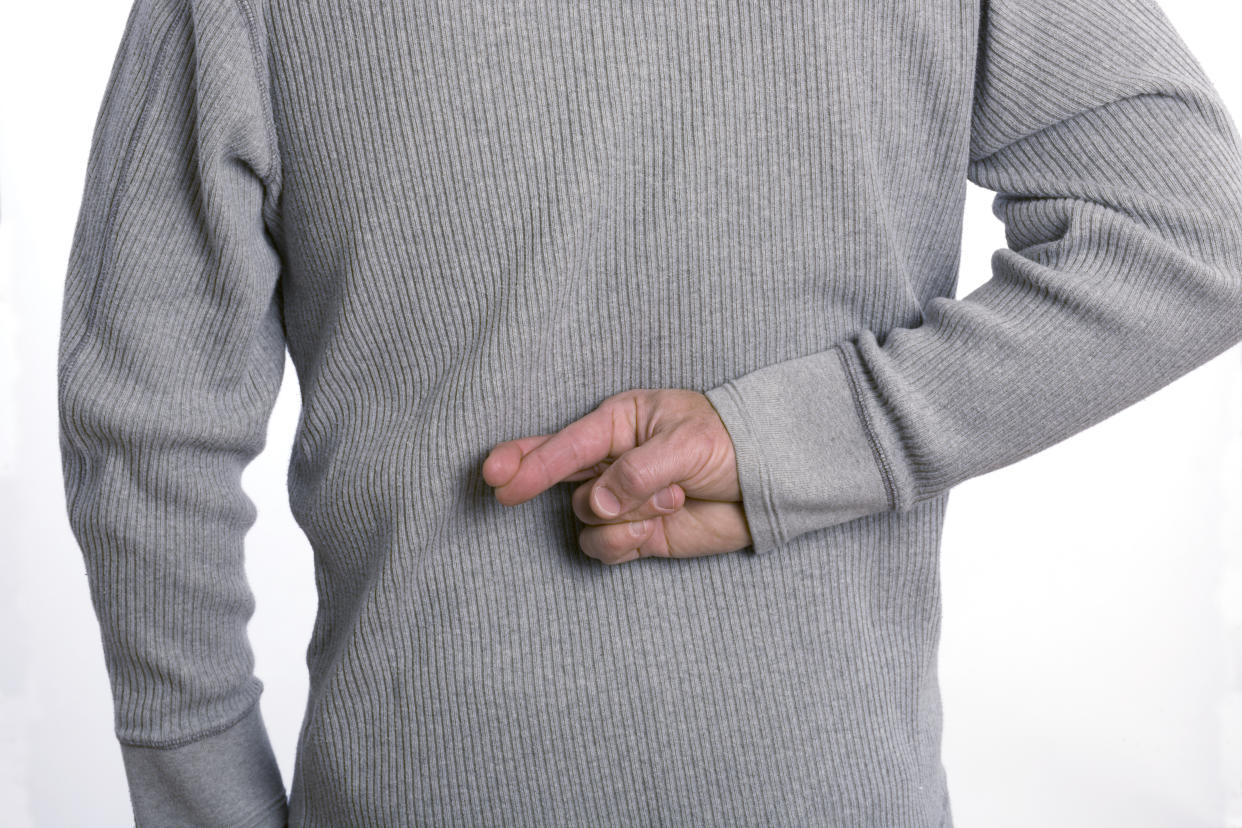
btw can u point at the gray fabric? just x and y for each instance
(218, 779)
(473, 221)
(804, 457)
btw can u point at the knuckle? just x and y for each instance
(697, 431)
(621, 543)
(607, 543)
(695, 438)
(619, 397)
(543, 464)
(632, 475)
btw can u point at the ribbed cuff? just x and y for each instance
(805, 460)
(227, 780)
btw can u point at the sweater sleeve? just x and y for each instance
(1118, 177)
(170, 358)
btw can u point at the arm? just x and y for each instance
(1118, 175)
(171, 356)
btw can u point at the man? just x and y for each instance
(697, 251)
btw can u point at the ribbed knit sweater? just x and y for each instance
(469, 221)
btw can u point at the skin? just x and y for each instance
(639, 444)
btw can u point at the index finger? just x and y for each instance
(603, 433)
(503, 461)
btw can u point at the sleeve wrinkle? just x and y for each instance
(1200, 101)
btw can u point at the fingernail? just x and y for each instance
(638, 528)
(665, 499)
(606, 503)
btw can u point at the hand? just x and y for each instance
(642, 445)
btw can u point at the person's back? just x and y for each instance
(473, 221)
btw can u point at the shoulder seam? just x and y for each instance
(107, 256)
(256, 54)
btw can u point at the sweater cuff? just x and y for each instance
(226, 780)
(805, 458)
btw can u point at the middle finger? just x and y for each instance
(582, 505)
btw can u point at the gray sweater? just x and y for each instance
(469, 221)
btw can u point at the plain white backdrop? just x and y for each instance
(1091, 650)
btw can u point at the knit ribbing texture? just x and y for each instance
(468, 221)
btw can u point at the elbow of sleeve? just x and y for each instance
(152, 481)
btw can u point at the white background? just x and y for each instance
(1091, 651)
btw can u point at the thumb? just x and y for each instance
(637, 474)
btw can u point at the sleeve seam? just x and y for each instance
(182, 741)
(107, 255)
(271, 174)
(878, 453)
(769, 510)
